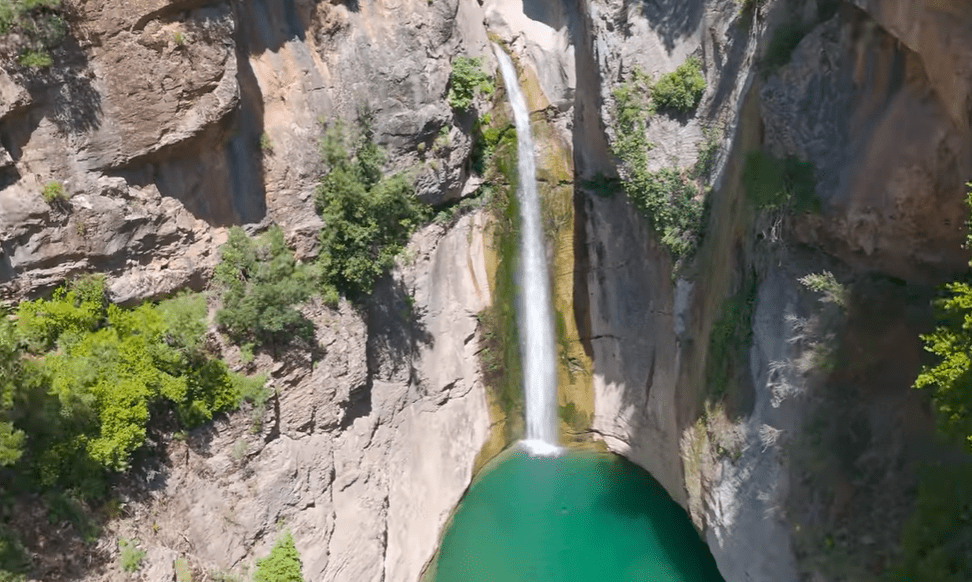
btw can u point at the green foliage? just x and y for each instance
(179, 38)
(129, 555)
(772, 183)
(729, 340)
(64, 507)
(782, 44)
(282, 565)
(182, 571)
(95, 371)
(682, 89)
(35, 27)
(936, 541)
(826, 284)
(672, 203)
(265, 143)
(367, 217)
(260, 284)
(950, 379)
(466, 81)
(671, 199)
(14, 559)
(53, 192)
(632, 110)
(11, 439)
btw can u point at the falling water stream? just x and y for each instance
(535, 320)
(537, 515)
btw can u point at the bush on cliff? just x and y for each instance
(367, 217)
(466, 80)
(260, 285)
(682, 89)
(80, 379)
(282, 564)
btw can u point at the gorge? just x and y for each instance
(679, 224)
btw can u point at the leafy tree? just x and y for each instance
(466, 80)
(11, 439)
(260, 285)
(682, 89)
(97, 371)
(950, 379)
(283, 563)
(367, 217)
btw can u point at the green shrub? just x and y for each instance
(466, 81)
(63, 507)
(672, 203)
(14, 559)
(182, 571)
(35, 59)
(773, 183)
(682, 89)
(367, 217)
(93, 373)
(129, 555)
(11, 439)
(282, 565)
(950, 377)
(53, 192)
(265, 143)
(260, 285)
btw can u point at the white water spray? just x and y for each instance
(535, 321)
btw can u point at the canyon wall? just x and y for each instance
(168, 121)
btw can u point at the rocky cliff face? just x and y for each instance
(166, 121)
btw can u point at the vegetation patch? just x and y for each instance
(53, 193)
(367, 217)
(32, 28)
(14, 559)
(682, 89)
(260, 285)
(772, 183)
(949, 378)
(936, 541)
(729, 341)
(282, 564)
(80, 379)
(467, 80)
(130, 556)
(671, 199)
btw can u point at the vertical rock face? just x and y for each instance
(884, 136)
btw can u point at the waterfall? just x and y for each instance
(535, 321)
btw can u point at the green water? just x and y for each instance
(581, 517)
